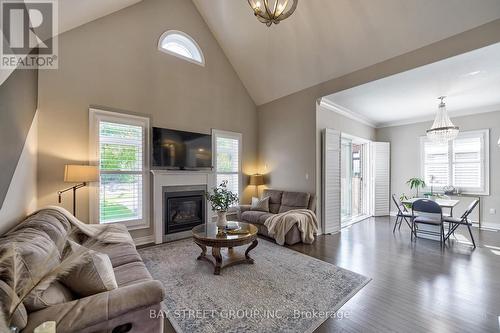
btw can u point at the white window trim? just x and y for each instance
(95, 116)
(485, 155)
(232, 135)
(171, 32)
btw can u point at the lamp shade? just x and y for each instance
(80, 173)
(256, 180)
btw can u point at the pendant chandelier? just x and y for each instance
(272, 11)
(443, 129)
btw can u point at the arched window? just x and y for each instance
(181, 45)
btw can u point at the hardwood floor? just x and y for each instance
(415, 287)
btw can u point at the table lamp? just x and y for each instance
(81, 174)
(257, 180)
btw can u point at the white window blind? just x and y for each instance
(120, 150)
(462, 163)
(381, 164)
(121, 165)
(227, 159)
(436, 164)
(331, 204)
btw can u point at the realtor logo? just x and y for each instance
(29, 34)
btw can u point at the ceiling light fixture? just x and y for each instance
(443, 129)
(273, 11)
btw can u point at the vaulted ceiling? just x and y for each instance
(325, 39)
(73, 13)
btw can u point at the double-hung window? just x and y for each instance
(119, 146)
(462, 163)
(227, 159)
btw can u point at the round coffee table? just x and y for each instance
(208, 236)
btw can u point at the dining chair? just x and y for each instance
(455, 222)
(403, 214)
(427, 206)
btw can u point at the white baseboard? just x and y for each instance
(490, 226)
(144, 240)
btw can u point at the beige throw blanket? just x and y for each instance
(106, 233)
(280, 224)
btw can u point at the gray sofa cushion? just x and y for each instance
(56, 293)
(132, 273)
(254, 216)
(120, 253)
(92, 277)
(294, 200)
(274, 199)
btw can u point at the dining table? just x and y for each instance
(444, 203)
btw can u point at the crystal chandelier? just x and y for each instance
(443, 129)
(272, 11)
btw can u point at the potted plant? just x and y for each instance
(416, 183)
(221, 199)
(403, 198)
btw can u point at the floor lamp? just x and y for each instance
(81, 174)
(257, 180)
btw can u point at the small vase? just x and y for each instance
(221, 219)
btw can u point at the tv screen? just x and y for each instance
(174, 149)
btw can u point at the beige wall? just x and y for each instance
(286, 151)
(114, 62)
(405, 158)
(21, 198)
(287, 126)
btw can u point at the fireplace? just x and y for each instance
(184, 208)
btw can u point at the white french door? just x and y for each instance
(355, 179)
(354, 175)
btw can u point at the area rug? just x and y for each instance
(284, 291)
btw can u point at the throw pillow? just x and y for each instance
(94, 276)
(56, 293)
(261, 205)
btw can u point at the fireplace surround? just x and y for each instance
(170, 182)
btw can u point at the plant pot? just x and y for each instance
(221, 219)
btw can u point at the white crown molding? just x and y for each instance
(451, 113)
(329, 105)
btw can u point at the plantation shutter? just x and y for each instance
(467, 161)
(331, 181)
(436, 163)
(121, 161)
(381, 153)
(462, 162)
(227, 159)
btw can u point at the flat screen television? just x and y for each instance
(181, 150)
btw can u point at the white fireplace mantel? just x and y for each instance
(163, 178)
